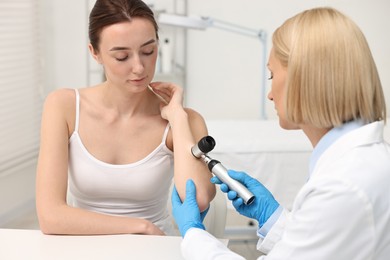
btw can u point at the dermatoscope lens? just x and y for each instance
(205, 145)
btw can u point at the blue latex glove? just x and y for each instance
(187, 214)
(261, 208)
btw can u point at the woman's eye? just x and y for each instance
(122, 59)
(147, 53)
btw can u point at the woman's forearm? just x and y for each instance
(74, 221)
(188, 127)
(185, 135)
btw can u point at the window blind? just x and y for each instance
(20, 84)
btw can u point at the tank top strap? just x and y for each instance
(76, 125)
(164, 139)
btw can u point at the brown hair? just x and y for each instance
(108, 12)
(332, 77)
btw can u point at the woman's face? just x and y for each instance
(278, 90)
(128, 52)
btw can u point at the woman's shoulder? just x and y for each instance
(194, 115)
(60, 107)
(61, 101)
(197, 123)
(63, 95)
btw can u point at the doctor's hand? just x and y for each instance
(187, 214)
(264, 204)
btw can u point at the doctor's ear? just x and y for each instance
(95, 53)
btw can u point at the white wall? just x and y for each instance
(223, 69)
(64, 24)
(17, 191)
(223, 75)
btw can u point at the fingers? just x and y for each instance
(237, 203)
(165, 89)
(224, 188)
(175, 199)
(204, 213)
(170, 92)
(190, 190)
(190, 195)
(158, 95)
(162, 89)
(239, 176)
(215, 180)
(232, 195)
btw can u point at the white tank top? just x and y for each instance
(138, 189)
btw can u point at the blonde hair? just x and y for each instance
(332, 77)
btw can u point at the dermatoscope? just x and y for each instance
(200, 150)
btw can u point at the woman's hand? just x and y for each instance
(152, 229)
(173, 94)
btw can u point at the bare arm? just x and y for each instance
(54, 214)
(188, 127)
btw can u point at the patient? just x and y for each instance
(107, 148)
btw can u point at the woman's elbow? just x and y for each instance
(49, 221)
(47, 224)
(204, 200)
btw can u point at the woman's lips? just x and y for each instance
(137, 81)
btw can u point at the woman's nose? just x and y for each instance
(137, 66)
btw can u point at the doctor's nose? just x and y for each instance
(269, 96)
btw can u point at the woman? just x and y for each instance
(325, 82)
(119, 151)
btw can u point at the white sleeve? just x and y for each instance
(266, 244)
(199, 244)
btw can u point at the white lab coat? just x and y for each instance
(342, 212)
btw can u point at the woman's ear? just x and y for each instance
(94, 53)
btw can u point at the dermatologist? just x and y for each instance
(324, 82)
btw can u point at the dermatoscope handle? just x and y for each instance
(205, 145)
(221, 172)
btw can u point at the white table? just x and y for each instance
(33, 245)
